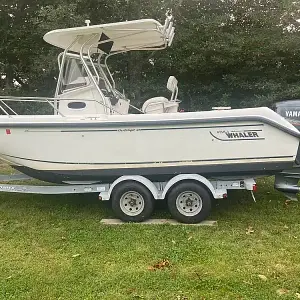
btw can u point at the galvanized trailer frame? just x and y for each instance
(218, 187)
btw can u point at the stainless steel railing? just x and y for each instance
(9, 111)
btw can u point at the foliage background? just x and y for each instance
(240, 53)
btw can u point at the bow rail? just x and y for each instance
(9, 111)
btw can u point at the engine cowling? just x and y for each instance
(290, 110)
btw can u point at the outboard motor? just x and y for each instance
(290, 110)
(287, 181)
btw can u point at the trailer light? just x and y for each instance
(224, 195)
(7, 131)
(254, 188)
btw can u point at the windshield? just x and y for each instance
(74, 76)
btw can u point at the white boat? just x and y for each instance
(92, 137)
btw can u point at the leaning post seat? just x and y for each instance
(155, 105)
(158, 105)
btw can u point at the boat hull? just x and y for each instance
(60, 150)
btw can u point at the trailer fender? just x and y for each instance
(195, 177)
(144, 181)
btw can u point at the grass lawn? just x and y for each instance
(54, 247)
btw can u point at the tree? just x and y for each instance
(226, 52)
(27, 62)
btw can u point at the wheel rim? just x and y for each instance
(189, 203)
(132, 203)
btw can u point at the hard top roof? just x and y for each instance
(114, 37)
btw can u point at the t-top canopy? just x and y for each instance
(131, 35)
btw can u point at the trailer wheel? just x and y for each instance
(132, 202)
(189, 202)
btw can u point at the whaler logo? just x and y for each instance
(245, 134)
(238, 135)
(292, 113)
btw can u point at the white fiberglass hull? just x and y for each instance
(248, 141)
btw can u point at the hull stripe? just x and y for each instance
(149, 129)
(151, 162)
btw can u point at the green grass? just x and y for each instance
(54, 247)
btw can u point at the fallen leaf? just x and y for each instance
(263, 277)
(174, 242)
(75, 255)
(298, 295)
(282, 291)
(249, 230)
(286, 227)
(287, 202)
(190, 237)
(9, 277)
(160, 265)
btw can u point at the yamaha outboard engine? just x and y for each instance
(290, 110)
(287, 181)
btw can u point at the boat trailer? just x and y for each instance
(189, 196)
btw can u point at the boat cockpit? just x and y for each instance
(85, 84)
(84, 88)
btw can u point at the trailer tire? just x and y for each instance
(132, 202)
(189, 202)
